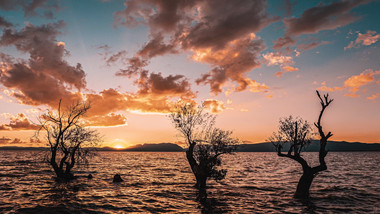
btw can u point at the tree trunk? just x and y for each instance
(198, 172)
(201, 181)
(304, 184)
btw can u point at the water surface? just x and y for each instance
(161, 182)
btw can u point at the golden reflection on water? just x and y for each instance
(162, 182)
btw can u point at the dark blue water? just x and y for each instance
(163, 183)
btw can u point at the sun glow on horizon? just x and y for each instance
(118, 146)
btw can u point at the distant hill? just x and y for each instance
(153, 147)
(22, 148)
(334, 146)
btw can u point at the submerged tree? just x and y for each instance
(70, 142)
(296, 134)
(205, 143)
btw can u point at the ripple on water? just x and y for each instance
(163, 183)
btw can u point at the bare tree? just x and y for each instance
(297, 134)
(70, 142)
(205, 143)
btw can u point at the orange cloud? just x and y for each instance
(19, 122)
(354, 83)
(366, 39)
(106, 120)
(283, 61)
(277, 59)
(373, 96)
(325, 88)
(286, 69)
(215, 106)
(111, 100)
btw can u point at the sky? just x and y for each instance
(248, 62)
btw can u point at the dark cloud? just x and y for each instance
(323, 17)
(216, 32)
(318, 18)
(135, 66)
(232, 62)
(34, 88)
(161, 14)
(157, 85)
(42, 8)
(119, 56)
(311, 45)
(286, 41)
(156, 47)
(221, 22)
(46, 77)
(4, 23)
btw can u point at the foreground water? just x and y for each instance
(163, 183)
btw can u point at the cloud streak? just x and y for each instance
(354, 83)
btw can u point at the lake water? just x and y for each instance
(163, 183)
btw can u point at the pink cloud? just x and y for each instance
(366, 39)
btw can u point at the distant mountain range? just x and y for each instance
(334, 146)
(148, 147)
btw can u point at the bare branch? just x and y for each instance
(67, 138)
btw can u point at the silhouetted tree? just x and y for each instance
(297, 134)
(205, 143)
(68, 139)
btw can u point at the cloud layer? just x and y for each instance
(45, 77)
(218, 33)
(321, 17)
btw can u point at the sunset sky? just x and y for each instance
(250, 62)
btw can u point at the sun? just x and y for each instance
(118, 146)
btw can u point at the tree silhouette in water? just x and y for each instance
(205, 143)
(297, 134)
(68, 139)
